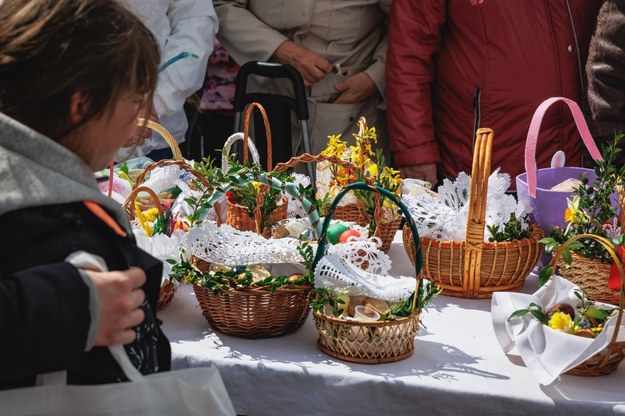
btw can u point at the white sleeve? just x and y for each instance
(193, 24)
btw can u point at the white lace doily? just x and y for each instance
(335, 273)
(443, 215)
(231, 247)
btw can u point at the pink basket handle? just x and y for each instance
(532, 138)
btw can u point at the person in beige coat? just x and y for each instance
(338, 47)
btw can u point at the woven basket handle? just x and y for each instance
(128, 204)
(308, 158)
(322, 240)
(532, 137)
(225, 166)
(246, 129)
(171, 141)
(165, 162)
(607, 244)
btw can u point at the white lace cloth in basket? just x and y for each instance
(160, 246)
(335, 273)
(443, 215)
(229, 246)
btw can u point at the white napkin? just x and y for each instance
(547, 353)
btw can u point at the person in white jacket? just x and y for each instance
(184, 30)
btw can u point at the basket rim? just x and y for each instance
(376, 324)
(261, 290)
(537, 235)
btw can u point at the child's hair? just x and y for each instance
(51, 49)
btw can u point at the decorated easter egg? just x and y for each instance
(335, 231)
(348, 233)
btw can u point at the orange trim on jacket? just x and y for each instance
(99, 212)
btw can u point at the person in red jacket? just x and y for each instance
(454, 66)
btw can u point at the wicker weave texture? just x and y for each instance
(591, 275)
(165, 295)
(474, 268)
(367, 342)
(255, 312)
(237, 216)
(504, 265)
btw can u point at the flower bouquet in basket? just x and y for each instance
(592, 210)
(373, 210)
(366, 316)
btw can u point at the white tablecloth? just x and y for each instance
(457, 368)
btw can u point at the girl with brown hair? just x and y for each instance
(74, 74)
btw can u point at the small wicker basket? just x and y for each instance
(608, 360)
(474, 268)
(592, 274)
(237, 216)
(258, 312)
(369, 342)
(355, 212)
(255, 312)
(168, 289)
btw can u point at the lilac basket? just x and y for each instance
(547, 209)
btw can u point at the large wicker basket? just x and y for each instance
(474, 268)
(608, 360)
(368, 342)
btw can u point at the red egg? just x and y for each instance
(348, 233)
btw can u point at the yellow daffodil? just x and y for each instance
(336, 147)
(573, 213)
(561, 321)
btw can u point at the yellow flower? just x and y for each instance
(151, 214)
(372, 170)
(142, 221)
(561, 321)
(336, 147)
(573, 213)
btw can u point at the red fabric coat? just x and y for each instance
(517, 53)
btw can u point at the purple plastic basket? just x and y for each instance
(547, 209)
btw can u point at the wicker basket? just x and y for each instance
(591, 274)
(168, 289)
(237, 215)
(608, 360)
(368, 342)
(474, 268)
(385, 229)
(165, 295)
(255, 312)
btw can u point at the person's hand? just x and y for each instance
(141, 132)
(426, 172)
(119, 295)
(312, 67)
(355, 89)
